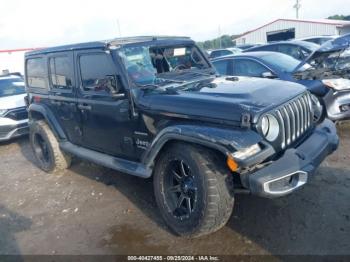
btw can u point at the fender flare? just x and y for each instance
(49, 118)
(224, 140)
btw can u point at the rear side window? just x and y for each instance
(95, 69)
(222, 67)
(61, 72)
(36, 73)
(244, 67)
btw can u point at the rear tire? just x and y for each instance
(46, 149)
(193, 190)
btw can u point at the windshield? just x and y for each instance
(283, 62)
(147, 64)
(11, 86)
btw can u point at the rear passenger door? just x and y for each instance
(105, 116)
(62, 94)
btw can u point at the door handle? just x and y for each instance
(84, 107)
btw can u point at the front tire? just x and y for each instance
(193, 190)
(46, 149)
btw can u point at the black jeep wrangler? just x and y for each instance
(154, 106)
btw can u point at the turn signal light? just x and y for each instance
(231, 163)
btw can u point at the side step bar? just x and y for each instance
(122, 165)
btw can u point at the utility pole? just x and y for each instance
(297, 6)
(219, 32)
(118, 25)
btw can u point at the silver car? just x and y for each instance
(13, 113)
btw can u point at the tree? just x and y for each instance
(224, 41)
(340, 17)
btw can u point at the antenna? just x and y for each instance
(297, 6)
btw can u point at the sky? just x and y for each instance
(43, 23)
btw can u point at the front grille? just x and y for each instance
(3, 134)
(295, 118)
(17, 114)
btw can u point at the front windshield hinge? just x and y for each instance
(245, 120)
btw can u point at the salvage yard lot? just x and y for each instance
(93, 210)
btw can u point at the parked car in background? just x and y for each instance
(298, 49)
(323, 73)
(246, 46)
(223, 52)
(235, 50)
(13, 113)
(320, 40)
(154, 106)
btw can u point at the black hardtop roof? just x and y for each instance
(112, 42)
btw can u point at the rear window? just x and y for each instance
(36, 73)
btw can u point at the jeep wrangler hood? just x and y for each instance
(327, 58)
(220, 99)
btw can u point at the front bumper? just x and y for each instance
(338, 105)
(11, 128)
(291, 171)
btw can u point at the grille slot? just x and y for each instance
(295, 119)
(17, 114)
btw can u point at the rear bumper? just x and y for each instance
(291, 171)
(10, 128)
(338, 105)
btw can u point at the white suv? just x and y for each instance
(13, 113)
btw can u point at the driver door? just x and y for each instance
(105, 115)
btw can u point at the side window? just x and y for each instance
(291, 50)
(98, 74)
(266, 48)
(314, 40)
(36, 73)
(61, 72)
(243, 67)
(226, 52)
(222, 66)
(304, 53)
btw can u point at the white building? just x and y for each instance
(284, 29)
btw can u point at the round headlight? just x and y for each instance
(265, 125)
(270, 127)
(317, 108)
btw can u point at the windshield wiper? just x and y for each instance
(148, 86)
(153, 86)
(170, 80)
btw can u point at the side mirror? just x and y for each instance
(268, 74)
(109, 84)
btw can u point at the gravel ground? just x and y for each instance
(93, 210)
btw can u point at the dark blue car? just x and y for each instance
(298, 49)
(267, 65)
(331, 85)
